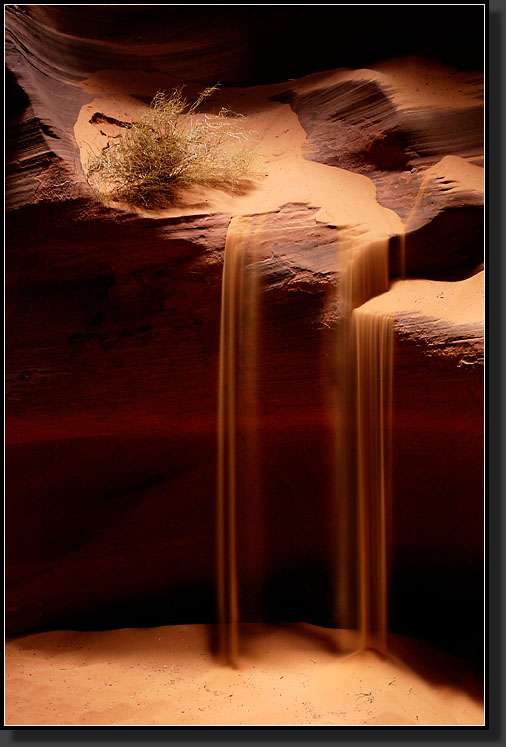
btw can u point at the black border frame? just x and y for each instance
(494, 732)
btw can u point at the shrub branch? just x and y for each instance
(171, 147)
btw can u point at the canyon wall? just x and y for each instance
(113, 338)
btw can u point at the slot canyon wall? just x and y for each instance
(113, 321)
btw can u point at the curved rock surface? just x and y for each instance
(113, 332)
(417, 132)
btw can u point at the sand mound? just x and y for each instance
(297, 674)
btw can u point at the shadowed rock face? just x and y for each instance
(238, 45)
(438, 518)
(352, 125)
(113, 339)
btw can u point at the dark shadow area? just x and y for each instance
(438, 251)
(495, 377)
(447, 612)
(183, 199)
(357, 36)
(442, 670)
(331, 36)
(437, 510)
(16, 100)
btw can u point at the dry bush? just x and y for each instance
(170, 148)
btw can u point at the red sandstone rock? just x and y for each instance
(113, 335)
(361, 125)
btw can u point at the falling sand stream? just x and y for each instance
(365, 372)
(238, 331)
(373, 337)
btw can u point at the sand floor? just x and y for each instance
(298, 674)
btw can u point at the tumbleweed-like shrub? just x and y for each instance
(171, 147)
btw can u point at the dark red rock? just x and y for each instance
(238, 45)
(438, 474)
